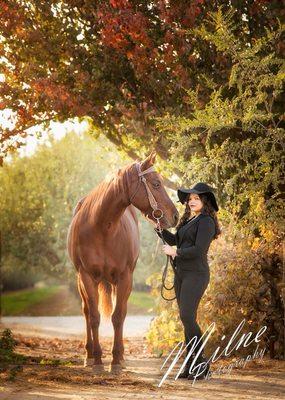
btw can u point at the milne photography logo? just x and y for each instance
(225, 349)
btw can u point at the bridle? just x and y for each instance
(154, 206)
(151, 199)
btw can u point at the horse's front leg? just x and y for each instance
(90, 290)
(89, 359)
(123, 290)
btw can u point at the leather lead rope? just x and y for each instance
(164, 273)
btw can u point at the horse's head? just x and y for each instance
(147, 193)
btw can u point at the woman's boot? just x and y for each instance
(200, 359)
(185, 372)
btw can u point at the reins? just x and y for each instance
(155, 208)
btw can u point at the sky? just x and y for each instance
(57, 129)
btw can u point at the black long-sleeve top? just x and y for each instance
(193, 240)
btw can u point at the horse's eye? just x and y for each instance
(156, 185)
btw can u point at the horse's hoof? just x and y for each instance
(88, 362)
(116, 368)
(98, 368)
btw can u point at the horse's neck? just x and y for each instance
(112, 204)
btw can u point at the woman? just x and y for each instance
(195, 231)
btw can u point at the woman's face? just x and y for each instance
(195, 203)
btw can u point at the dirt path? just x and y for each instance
(260, 379)
(72, 327)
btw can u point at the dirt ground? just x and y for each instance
(55, 371)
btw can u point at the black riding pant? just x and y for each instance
(189, 288)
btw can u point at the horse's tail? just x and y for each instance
(106, 298)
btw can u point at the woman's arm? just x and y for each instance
(167, 236)
(205, 233)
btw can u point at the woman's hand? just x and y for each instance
(169, 250)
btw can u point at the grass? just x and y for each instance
(22, 302)
(15, 303)
(141, 299)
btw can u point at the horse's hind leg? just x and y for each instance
(123, 290)
(89, 360)
(90, 290)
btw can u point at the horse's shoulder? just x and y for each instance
(132, 211)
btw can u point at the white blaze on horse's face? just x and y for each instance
(148, 194)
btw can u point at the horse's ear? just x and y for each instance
(153, 155)
(149, 161)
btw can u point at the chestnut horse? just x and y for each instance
(103, 245)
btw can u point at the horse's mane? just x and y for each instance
(96, 197)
